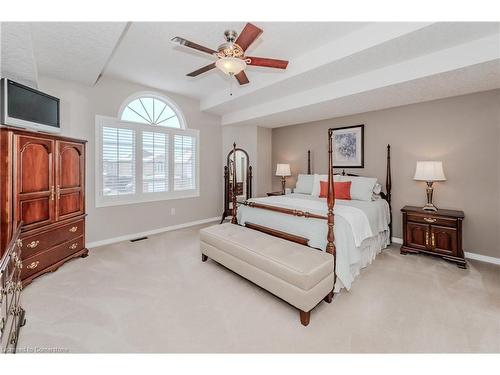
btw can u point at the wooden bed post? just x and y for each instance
(308, 161)
(234, 220)
(330, 247)
(388, 187)
(249, 182)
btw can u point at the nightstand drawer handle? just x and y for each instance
(33, 265)
(73, 246)
(429, 220)
(33, 244)
(73, 229)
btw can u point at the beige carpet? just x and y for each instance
(157, 296)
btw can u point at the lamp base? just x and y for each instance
(429, 207)
(283, 184)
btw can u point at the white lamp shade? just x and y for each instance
(283, 170)
(429, 171)
(231, 65)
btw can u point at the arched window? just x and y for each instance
(146, 154)
(152, 109)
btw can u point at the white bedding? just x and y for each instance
(360, 227)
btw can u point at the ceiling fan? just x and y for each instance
(230, 55)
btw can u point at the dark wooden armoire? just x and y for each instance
(43, 186)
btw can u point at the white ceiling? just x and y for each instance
(18, 61)
(335, 68)
(147, 55)
(74, 51)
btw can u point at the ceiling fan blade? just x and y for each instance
(242, 78)
(268, 63)
(187, 43)
(248, 35)
(201, 70)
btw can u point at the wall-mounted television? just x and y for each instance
(25, 107)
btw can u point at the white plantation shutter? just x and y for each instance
(118, 161)
(185, 162)
(154, 162)
(143, 163)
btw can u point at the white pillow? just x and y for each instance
(305, 184)
(317, 186)
(361, 187)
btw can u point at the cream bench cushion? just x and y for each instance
(298, 274)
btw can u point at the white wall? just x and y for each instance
(462, 131)
(79, 106)
(265, 171)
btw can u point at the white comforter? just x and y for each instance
(355, 222)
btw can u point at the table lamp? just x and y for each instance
(283, 170)
(429, 171)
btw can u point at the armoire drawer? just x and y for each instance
(49, 257)
(35, 243)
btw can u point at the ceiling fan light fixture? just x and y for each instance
(231, 65)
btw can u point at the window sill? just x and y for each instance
(151, 197)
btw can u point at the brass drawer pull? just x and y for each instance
(429, 220)
(73, 229)
(33, 265)
(73, 246)
(33, 244)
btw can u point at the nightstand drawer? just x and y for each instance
(431, 219)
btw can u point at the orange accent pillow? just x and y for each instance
(342, 189)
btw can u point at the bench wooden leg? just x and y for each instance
(204, 258)
(305, 317)
(329, 297)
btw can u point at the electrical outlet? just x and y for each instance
(172, 211)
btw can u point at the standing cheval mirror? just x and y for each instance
(243, 179)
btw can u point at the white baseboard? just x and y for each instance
(475, 256)
(482, 258)
(128, 237)
(397, 240)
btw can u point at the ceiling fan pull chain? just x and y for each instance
(231, 85)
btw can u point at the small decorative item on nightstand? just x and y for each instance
(283, 170)
(437, 233)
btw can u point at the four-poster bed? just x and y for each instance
(297, 224)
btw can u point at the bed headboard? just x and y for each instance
(388, 179)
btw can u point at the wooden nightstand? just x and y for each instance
(437, 233)
(274, 193)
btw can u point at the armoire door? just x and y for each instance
(34, 192)
(70, 174)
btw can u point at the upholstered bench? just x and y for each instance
(297, 274)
